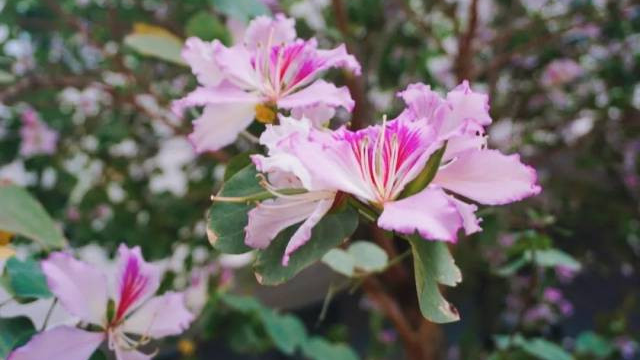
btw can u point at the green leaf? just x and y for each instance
(553, 258)
(340, 261)
(14, 332)
(155, 42)
(98, 355)
(331, 231)
(242, 10)
(426, 175)
(21, 214)
(544, 350)
(286, 331)
(207, 27)
(26, 280)
(589, 342)
(512, 267)
(319, 349)
(227, 220)
(368, 256)
(236, 164)
(6, 78)
(433, 265)
(244, 304)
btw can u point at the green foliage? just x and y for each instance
(537, 347)
(242, 10)
(319, 349)
(227, 220)
(361, 257)
(207, 27)
(25, 280)
(591, 343)
(155, 42)
(434, 265)
(21, 214)
(330, 232)
(14, 332)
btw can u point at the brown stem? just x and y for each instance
(464, 61)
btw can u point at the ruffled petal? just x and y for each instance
(489, 177)
(319, 114)
(235, 64)
(422, 103)
(470, 222)
(160, 316)
(339, 57)
(464, 104)
(199, 55)
(61, 343)
(319, 92)
(469, 136)
(137, 280)
(265, 30)
(303, 233)
(80, 288)
(220, 124)
(429, 212)
(270, 217)
(225, 93)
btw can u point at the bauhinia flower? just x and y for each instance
(37, 137)
(381, 165)
(130, 310)
(270, 71)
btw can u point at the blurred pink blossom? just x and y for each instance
(37, 137)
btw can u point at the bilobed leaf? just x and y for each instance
(26, 280)
(207, 27)
(227, 220)
(154, 41)
(434, 265)
(553, 258)
(340, 261)
(368, 256)
(242, 10)
(331, 231)
(319, 349)
(544, 350)
(286, 331)
(14, 332)
(21, 214)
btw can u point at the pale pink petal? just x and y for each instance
(469, 137)
(489, 177)
(225, 93)
(339, 57)
(464, 104)
(137, 280)
(199, 55)
(270, 217)
(265, 30)
(281, 165)
(319, 114)
(61, 343)
(124, 354)
(422, 103)
(160, 316)
(235, 64)
(220, 124)
(319, 92)
(429, 212)
(80, 288)
(303, 233)
(470, 222)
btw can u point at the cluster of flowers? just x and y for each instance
(387, 168)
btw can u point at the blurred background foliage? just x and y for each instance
(564, 82)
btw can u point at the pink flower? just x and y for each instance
(37, 137)
(560, 72)
(269, 71)
(130, 309)
(375, 164)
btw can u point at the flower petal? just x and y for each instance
(199, 55)
(220, 124)
(339, 57)
(303, 233)
(124, 354)
(319, 92)
(470, 222)
(61, 343)
(80, 288)
(430, 212)
(137, 280)
(270, 217)
(225, 93)
(489, 177)
(422, 102)
(265, 30)
(160, 316)
(464, 104)
(319, 114)
(235, 64)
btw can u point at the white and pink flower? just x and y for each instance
(37, 137)
(375, 165)
(271, 70)
(129, 309)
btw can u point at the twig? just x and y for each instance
(46, 319)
